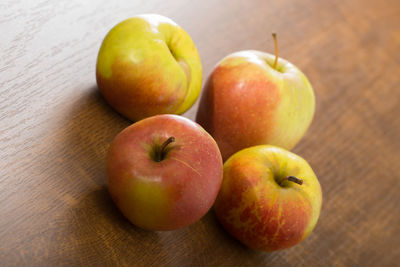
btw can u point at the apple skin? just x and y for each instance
(174, 192)
(247, 102)
(259, 212)
(148, 65)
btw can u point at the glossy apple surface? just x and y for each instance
(148, 65)
(168, 190)
(247, 102)
(260, 205)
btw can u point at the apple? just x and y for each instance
(164, 172)
(148, 65)
(252, 98)
(270, 198)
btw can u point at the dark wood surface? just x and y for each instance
(55, 130)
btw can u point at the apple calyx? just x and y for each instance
(292, 179)
(276, 51)
(160, 154)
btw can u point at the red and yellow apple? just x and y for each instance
(164, 172)
(248, 101)
(270, 198)
(148, 65)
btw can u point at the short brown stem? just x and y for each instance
(161, 153)
(293, 179)
(276, 51)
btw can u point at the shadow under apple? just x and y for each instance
(90, 230)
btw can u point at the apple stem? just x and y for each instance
(293, 179)
(276, 51)
(160, 155)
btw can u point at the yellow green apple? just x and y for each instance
(164, 172)
(270, 198)
(252, 98)
(148, 65)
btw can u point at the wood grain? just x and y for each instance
(55, 130)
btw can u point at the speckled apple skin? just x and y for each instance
(174, 192)
(148, 65)
(246, 102)
(256, 210)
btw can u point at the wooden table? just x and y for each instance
(55, 129)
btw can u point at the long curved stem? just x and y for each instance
(160, 155)
(276, 51)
